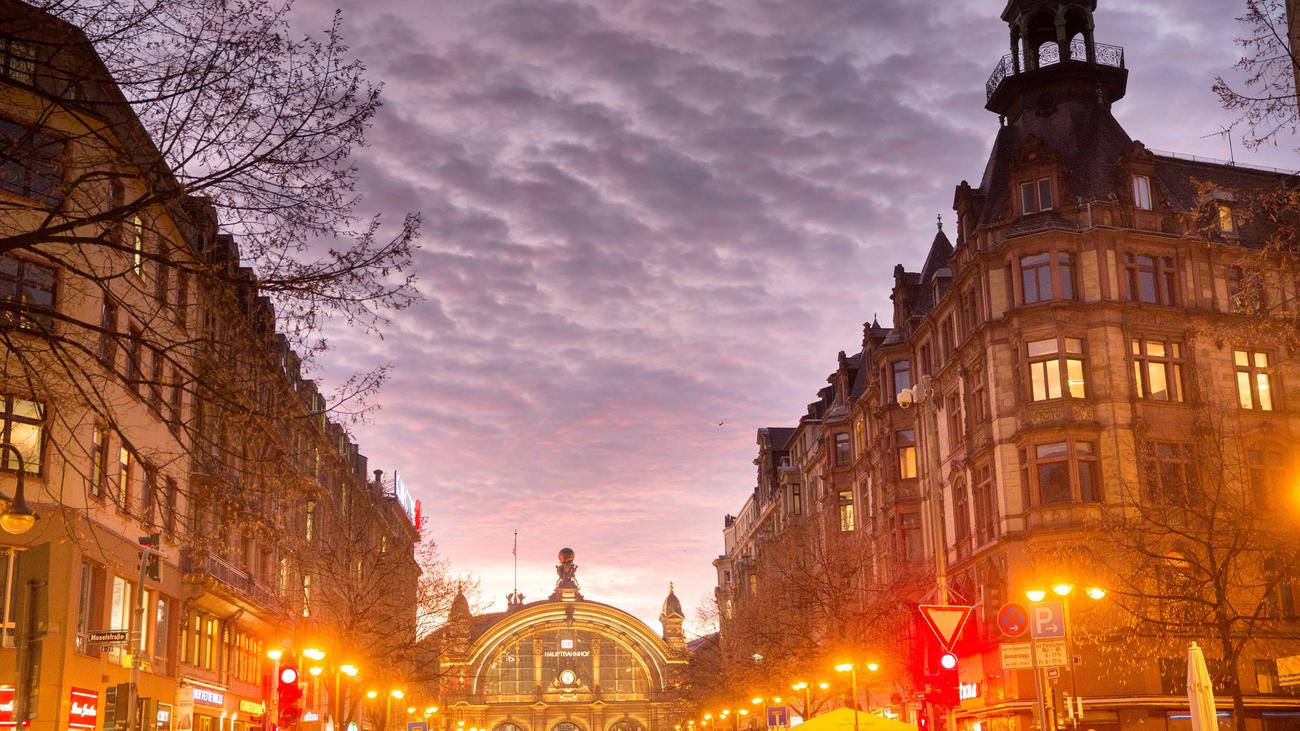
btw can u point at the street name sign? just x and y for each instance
(1017, 656)
(1047, 620)
(945, 620)
(108, 637)
(1288, 670)
(1013, 619)
(1051, 653)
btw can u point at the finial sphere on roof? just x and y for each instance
(566, 554)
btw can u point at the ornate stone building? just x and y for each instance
(1107, 318)
(562, 664)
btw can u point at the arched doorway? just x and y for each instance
(626, 724)
(507, 726)
(566, 726)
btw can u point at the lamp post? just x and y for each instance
(18, 517)
(1063, 589)
(388, 704)
(852, 669)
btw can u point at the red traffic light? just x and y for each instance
(289, 675)
(289, 694)
(948, 660)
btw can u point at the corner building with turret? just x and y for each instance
(1105, 313)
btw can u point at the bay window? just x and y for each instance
(1056, 368)
(1063, 472)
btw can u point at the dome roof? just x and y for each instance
(672, 605)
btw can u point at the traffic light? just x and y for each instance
(948, 681)
(153, 559)
(288, 693)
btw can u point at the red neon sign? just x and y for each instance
(6, 706)
(84, 711)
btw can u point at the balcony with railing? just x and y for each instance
(201, 566)
(1049, 54)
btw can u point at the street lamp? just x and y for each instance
(1064, 589)
(852, 669)
(18, 517)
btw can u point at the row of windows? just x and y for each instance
(1057, 368)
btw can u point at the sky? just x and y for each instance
(650, 225)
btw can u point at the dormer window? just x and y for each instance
(1142, 192)
(1227, 222)
(1036, 196)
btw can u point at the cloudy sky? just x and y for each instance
(649, 227)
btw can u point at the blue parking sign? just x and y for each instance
(417, 726)
(1046, 619)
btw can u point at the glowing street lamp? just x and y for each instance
(372, 694)
(852, 669)
(18, 517)
(275, 653)
(1062, 589)
(314, 653)
(1035, 595)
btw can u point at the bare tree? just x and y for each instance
(1266, 98)
(1205, 547)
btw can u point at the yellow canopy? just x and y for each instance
(841, 719)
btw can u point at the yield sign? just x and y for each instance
(945, 620)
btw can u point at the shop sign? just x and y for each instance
(164, 718)
(6, 706)
(311, 716)
(83, 713)
(968, 691)
(209, 697)
(250, 707)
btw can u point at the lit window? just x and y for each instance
(796, 499)
(306, 595)
(309, 530)
(1142, 192)
(1254, 385)
(137, 245)
(24, 427)
(846, 510)
(1158, 369)
(1056, 368)
(986, 504)
(1227, 222)
(906, 443)
(126, 462)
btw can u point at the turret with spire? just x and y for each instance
(672, 617)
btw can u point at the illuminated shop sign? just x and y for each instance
(250, 707)
(84, 710)
(311, 716)
(6, 706)
(209, 697)
(968, 691)
(404, 498)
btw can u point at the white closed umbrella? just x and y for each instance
(1200, 691)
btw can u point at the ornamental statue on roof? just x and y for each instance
(566, 586)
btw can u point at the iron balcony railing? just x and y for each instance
(1050, 54)
(201, 563)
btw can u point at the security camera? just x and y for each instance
(906, 398)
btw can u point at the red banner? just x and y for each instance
(84, 711)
